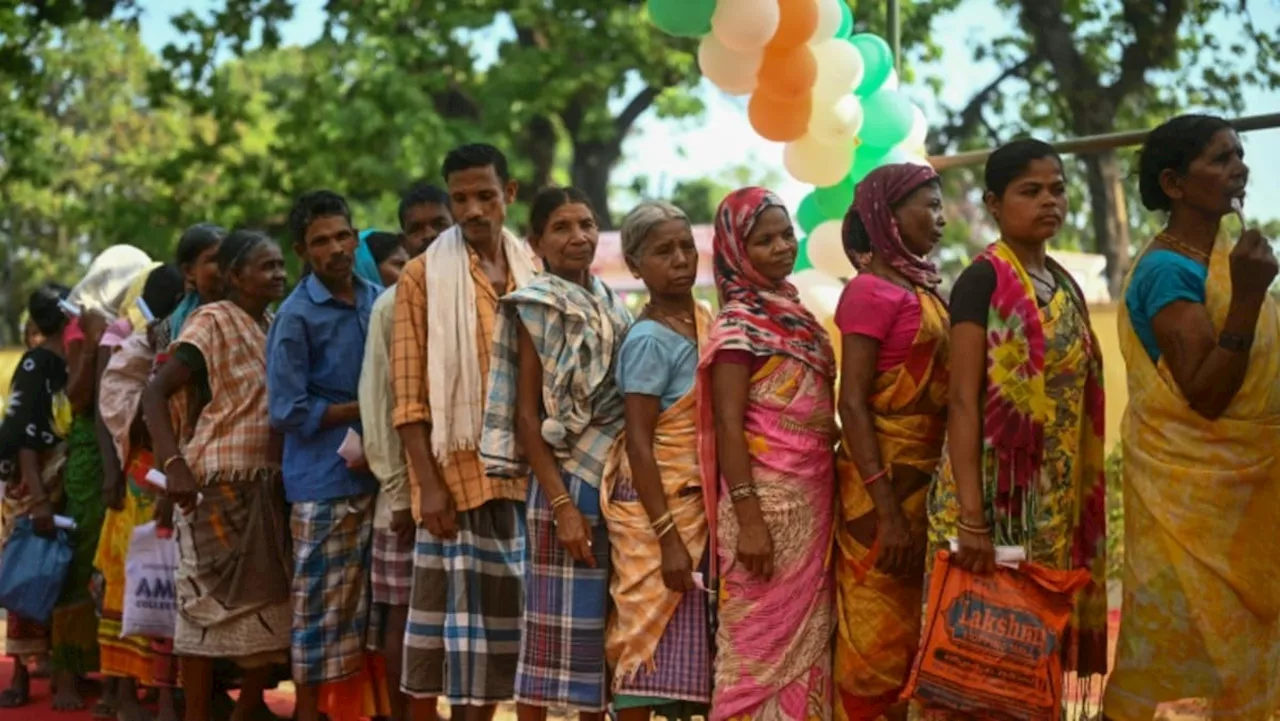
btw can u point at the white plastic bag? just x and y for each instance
(150, 597)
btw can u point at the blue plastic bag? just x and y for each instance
(33, 571)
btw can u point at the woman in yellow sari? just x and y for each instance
(1201, 338)
(658, 641)
(892, 403)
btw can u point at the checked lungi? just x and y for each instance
(331, 549)
(463, 636)
(562, 661)
(392, 576)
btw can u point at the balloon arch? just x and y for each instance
(830, 95)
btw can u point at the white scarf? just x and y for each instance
(453, 368)
(106, 283)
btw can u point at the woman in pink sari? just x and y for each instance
(766, 421)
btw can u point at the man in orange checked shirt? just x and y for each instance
(463, 636)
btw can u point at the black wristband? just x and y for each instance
(1235, 342)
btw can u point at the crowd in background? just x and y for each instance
(449, 464)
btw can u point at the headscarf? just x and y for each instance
(756, 314)
(129, 304)
(106, 283)
(366, 266)
(874, 200)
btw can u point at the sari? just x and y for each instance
(657, 640)
(1043, 483)
(773, 643)
(1202, 502)
(878, 615)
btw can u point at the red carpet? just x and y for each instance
(40, 709)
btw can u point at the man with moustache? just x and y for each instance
(314, 351)
(424, 214)
(463, 637)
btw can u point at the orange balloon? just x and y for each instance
(779, 119)
(797, 23)
(788, 72)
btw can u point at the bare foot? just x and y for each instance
(127, 706)
(19, 691)
(66, 695)
(105, 708)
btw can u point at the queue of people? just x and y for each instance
(450, 465)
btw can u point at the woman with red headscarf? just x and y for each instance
(893, 408)
(766, 461)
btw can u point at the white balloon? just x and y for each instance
(892, 82)
(816, 163)
(919, 129)
(829, 17)
(826, 251)
(819, 292)
(840, 69)
(745, 25)
(837, 123)
(730, 70)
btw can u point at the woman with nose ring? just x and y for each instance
(554, 406)
(1199, 332)
(766, 425)
(1023, 462)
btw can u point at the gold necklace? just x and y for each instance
(1183, 248)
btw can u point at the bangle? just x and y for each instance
(742, 492)
(663, 519)
(664, 526)
(884, 473)
(976, 530)
(1235, 342)
(561, 500)
(164, 468)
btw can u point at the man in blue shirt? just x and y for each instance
(314, 353)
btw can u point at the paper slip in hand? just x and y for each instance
(161, 481)
(352, 448)
(66, 524)
(700, 583)
(1007, 556)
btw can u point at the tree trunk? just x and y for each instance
(1110, 216)
(593, 161)
(539, 147)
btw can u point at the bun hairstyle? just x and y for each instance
(163, 289)
(1173, 146)
(1011, 160)
(641, 221)
(853, 234)
(196, 240)
(238, 247)
(43, 308)
(381, 244)
(550, 199)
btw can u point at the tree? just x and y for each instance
(1084, 68)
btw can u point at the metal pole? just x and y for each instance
(1097, 143)
(893, 20)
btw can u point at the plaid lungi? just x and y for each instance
(463, 636)
(562, 662)
(392, 576)
(331, 541)
(682, 669)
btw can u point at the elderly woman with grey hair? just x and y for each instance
(658, 640)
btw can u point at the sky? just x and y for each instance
(668, 151)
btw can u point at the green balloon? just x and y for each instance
(865, 160)
(846, 21)
(834, 200)
(685, 18)
(877, 61)
(809, 215)
(802, 256)
(887, 118)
